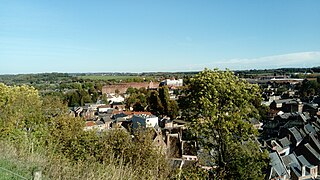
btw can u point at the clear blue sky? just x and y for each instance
(157, 35)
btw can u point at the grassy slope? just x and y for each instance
(21, 166)
(56, 168)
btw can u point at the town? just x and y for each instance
(288, 126)
(289, 131)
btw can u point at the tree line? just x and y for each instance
(217, 105)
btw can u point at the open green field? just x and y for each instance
(106, 78)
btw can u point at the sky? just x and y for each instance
(157, 35)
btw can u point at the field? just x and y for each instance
(107, 78)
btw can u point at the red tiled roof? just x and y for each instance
(90, 123)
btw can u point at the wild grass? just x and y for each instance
(25, 164)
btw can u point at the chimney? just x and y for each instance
(303, 171)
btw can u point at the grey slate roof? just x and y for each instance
(295, 133)
(309, 129)
(291, 160)
(303, 117)
(304, 161)
(313, 151)
(284, 142)
(277, 166)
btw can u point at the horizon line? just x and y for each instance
(173, 71)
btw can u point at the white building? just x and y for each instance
(114, 98)
(104, 109)
(169, 82)
(144, 121)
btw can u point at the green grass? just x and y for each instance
(24, 164)
(106, 78)
(16, 167)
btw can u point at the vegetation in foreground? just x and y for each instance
(40, 127)
(217, 104)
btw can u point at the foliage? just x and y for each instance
(173, 109)
(34, 125)
(164, 98)
(57, 167)
(247, 162)
(137, 98)
(309, 88)
(219, 105)
(194, 172)
(79, 97)
(154, 103)
(20, 117)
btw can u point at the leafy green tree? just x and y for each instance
(218, 106)
(165, 99)
(136, 98)
(143, 90)
(94, 94)
(138, 107)
(173, 109)
(309, 88)
(20, 115)
(154, 103)
(194, 172)
(131, 90)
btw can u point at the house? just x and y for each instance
(159, 141)
(144, 120)
(293, 134)
(311, 108)
(107, 121)
(172, 82)
(276, 147)
(299, 167)
(304, 170)
(168, 123)
(285, 146)
(310, 154)
(309, 129)
(294, 105)
(99, 126)
(278, 169)
(114, 98)
(277, 104)
(118, 106)
(104, 109)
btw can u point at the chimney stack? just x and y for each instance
(303, 171)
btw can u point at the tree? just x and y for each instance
(165, 99)
(154, 103)
(218, 105)
(138, 107)
(136, 97)
(20, 117)
(173, 109)
(309, 88)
